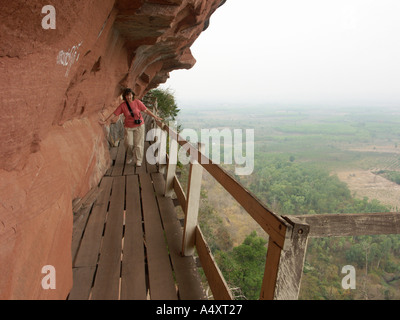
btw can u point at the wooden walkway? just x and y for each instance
(127, 240)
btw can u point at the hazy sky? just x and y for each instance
(296, 51)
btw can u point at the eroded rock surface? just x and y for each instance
(54, 85)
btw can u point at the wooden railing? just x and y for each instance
(278, 229)
(288, 235)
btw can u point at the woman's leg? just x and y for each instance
(138, 140)
(129, 144)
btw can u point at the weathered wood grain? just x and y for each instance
(192, 208)
(133, 274)
(186, 273)
(106, 285)
(216, 280)
(291, 262)
(162, 285)
(338, 225)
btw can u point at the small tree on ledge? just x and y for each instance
(166, 104)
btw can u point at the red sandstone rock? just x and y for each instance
(54, 84)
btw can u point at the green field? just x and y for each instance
(340, 138)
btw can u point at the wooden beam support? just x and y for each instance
(271, 271)
(214, 276)
(343, 224)
(171, 167)
(192, 207)
(180, 194)
(291, 262)
(284, 268)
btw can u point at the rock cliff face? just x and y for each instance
(54, 85)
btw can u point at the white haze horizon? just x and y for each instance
(309, 52)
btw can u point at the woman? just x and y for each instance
(134, 125)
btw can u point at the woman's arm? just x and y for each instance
(117, 103)
(147, 111)
(112, 116)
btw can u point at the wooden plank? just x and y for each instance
(78, 229)
(291, 262)
(119, 161)
(162, 285)
(186, 273)
(82, 280)
(192, 208)
(338, 225)
(81, 216)
(87, 200)
(180, 194)
(129, 168)
(109, 171)
(133, 278)
(89, 249)
(171, 168)
(106, 285)
(273, 224)
(113, 153)
(141, 169)
(271, 271)
(214, 276)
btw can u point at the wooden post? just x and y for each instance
(171, 167)
(271, 271)
(292, 262)
(192, 206)
(284, 268)
(162, 151)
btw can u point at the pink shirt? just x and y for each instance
(137, 106)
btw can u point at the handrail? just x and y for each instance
(272, 223)
(278, 229)
(352, 224)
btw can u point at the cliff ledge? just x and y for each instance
(54, 84)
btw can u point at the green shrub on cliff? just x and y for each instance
(166, 102)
